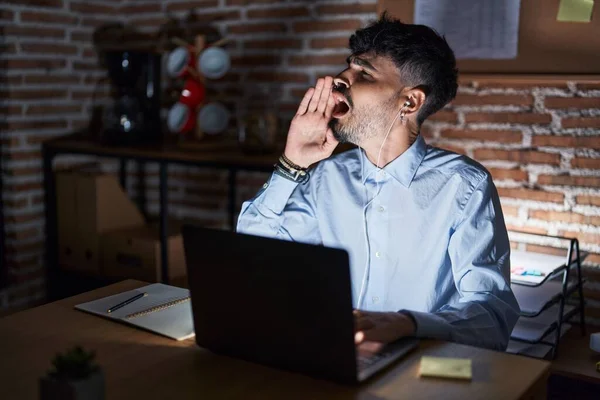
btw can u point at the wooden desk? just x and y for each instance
(145, 366)
(576, 359)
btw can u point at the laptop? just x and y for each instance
(278, 303)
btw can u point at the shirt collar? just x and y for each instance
(403, 168)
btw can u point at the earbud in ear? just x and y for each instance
(407, 104)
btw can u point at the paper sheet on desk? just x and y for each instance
(474, 28)
(175, 322)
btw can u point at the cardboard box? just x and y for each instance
(135, 253)
(89, 203)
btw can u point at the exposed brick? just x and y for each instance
(330, 43)
(28, 233)
(85, 66)
(15, 203)
(509, 118)
(22, 187)
(6, 15)
(333, 59)
(16, 278)
(256, 28)
(34, 63)
(280, 12)
(48, 48)
(444, 116)
(327, 26)
(503, 174)
(463, 99)
(7, 143)
(581, 122)
(527, 229)
(513, 83)
(521, 156)
(595, 259)
(22, 156)
(589, 163)
(23, 171)
(22, 31)
(511, 211)
(587, 200)
(355, 8)
(530, 194)
(555, 251)
(37, 139)
(189, 5)
(485, 135)
(11, 109)
(97, 21)
(591, 142)
(589, 86)
(81, 36)
(572, 102)
(32, 125)
(52, 78)
(8, 48)
(254, 60)
(249, 2)
(38, 3)
(265, 76)
(92, 8)
(583, 237)
(53, 109)
(567, 180)
(568, 217)
(273, 44)
(48, 18)
(133, 9)
(12, 80)
(34, 94)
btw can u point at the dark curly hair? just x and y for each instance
(423, 57)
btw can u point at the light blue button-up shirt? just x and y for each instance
(425, 235)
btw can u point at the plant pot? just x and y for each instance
(91, 388)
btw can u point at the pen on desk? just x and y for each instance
(128, 301)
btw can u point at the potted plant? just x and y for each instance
(74, 376)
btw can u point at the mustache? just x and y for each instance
(343, 90)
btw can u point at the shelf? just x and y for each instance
(533, 330)
(535, 299)
(550, 265)
(537, 350)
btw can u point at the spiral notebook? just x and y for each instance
(165, 310)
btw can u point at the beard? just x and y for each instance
(363, 123)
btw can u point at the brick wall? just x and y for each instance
(540, 138)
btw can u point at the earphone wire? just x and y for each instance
(363, 285)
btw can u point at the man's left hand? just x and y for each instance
(382, 327)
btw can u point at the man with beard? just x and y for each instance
(429, 251)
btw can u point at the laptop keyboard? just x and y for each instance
(366, 361)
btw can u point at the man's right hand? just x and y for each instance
(309, 139)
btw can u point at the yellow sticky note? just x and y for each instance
(575, 10)
(442, 367)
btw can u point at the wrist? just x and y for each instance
(408, 323)
(295, 160)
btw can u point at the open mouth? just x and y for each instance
(341, 107)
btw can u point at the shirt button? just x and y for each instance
(375, 299)
(266, 185)
(381, 208)
(377, 254)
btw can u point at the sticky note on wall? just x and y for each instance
(575, 10)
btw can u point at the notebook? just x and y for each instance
(165, 310)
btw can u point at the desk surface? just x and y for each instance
(575, 358)
(142, 365)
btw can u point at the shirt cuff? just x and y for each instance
(429, 325)
(277, 193)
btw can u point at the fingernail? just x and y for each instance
(358, 337)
